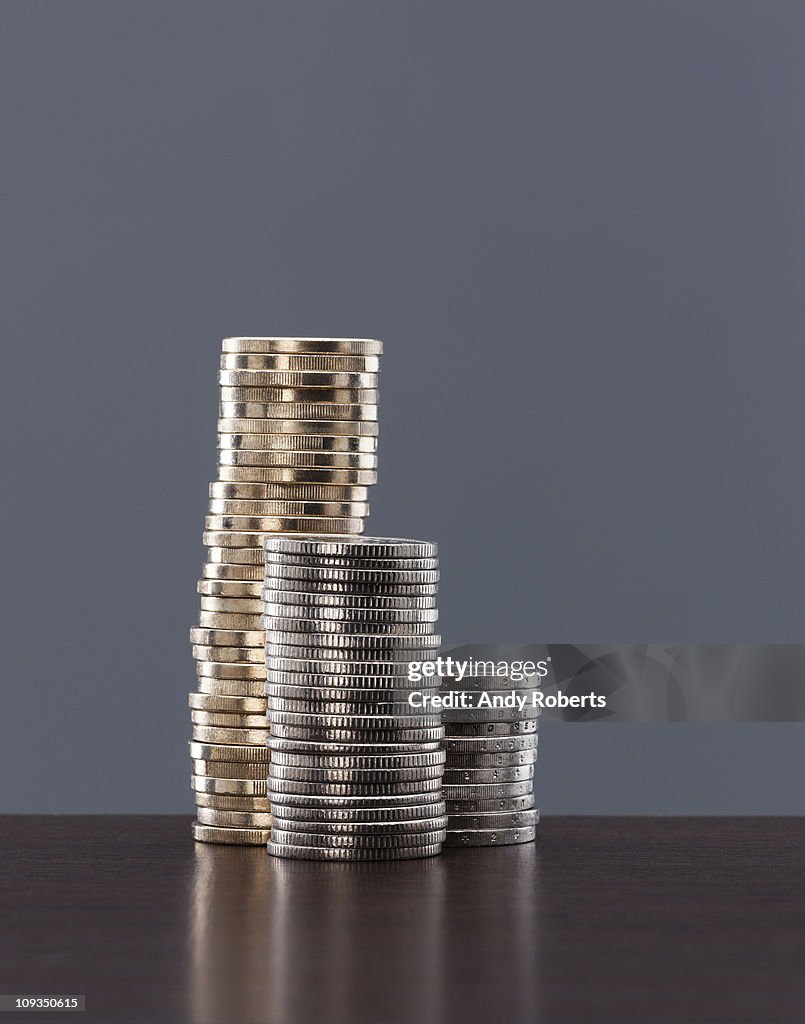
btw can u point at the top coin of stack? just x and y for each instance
(297, 440)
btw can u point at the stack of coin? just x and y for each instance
(356, 769)
(297, 439)
(489, 771)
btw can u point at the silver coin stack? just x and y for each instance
(489, 771)
(297, 439)
(355, 770)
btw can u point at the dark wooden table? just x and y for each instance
(603, 919)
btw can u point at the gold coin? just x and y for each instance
(288, 425)
(307, 346)
(290, 475)
(212, 786)
(228, 638)
(296, 460)
(233, 605)
(231, 836)
(213, 734)
(243, 572)
(227, 705)
(334, 363)
(301, 411)
(228, 752)
(229, 620)
(233, 819)
(294, 379)
(232, 803)
(248, 655)
(281, 492)
(277, 524)
(253, 770)
(225, 687)
(235, 557)
(263, 515)
(230, 588)
(306, 395)
(225, 670)
(229, 720)
(267, 444)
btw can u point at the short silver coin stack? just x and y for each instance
(488, 780)
(355, 770)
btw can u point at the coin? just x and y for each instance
(319, 688)
(214, 734)
(255, 789)
(295, 379)
(326, 573)
(410, 827)
(312, 408)
(254, 433)
(378, 737)
(493, 820)
(320, 789)
(240, 572)
(343, 506)
(484, 792)
(223, 670)
(333, 854)
(386, 669)
(369, 842)
(259, 449)
(345, 815)
(232, 605)
(222, 491)
(378, 547)
(228, 638)
(253, 538)
(267, 520)
(219, 802)
(282, 394)
(350, 603)
(318, 747)
(347, 346)
(287, 473)
(218, 751)
(235, 771)
(381, 723)
(462, 730)
(233, 819)
(491, 744)
(230, 719)
(298, 458)
(231, 687)
(328, 803)
(412, 645)
(229, 620)
(492, 837)
(359, 761)
(459, 715)
(233, 836)
(355, 657)
(340, 627)
(322, 363)
(359, 776)
(354, 562)
(345, 613)
(484, 776)
(501, 806)
(314, 706)
(278, 588)
(230, 705)
(246, 655)
(503, 760)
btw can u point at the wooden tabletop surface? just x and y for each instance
(645, 920)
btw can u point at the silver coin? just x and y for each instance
(284, 571)
(210, 785)
(313, 853)
(493, 820)
(515, 757)
(228, 705)
(354, 604)
(325, 734)
(362, 761)
(360, 776)
(356, 658)
(501, 806)
(498, 791)
(228, 752)
(492, 837)
(289, 837)
(376, 547)
(320, 789)
(460, 715)
(389, 618)
(482, 776)
(317, 747)
(465, 730)
(493, 684)
(412, 827)
(360, 805)
(380, 723)
(356, 641)
(304, 685)
(354, 562)
(491, 744)
(224, 802)
(341, 707)
(363, 627)
(329, 816)
(339, 695)
(388, 668)
(348, 346)
(277, 589)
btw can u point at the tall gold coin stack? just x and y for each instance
(297, 452)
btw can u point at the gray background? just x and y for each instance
(580, 230)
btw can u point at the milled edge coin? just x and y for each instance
(330, 363)
(378, 815)
(409, 827)
(285, 836)
(231, 836)
(488, 792)
(234, 705)
(233, 819)
(378, 547)
(207, 751)
(209, 785)
(293, 475)
(314, 853)
(307, 346)
(295, 379)
(505, 759)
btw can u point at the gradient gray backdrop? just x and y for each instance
(579, 227)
